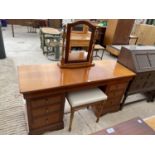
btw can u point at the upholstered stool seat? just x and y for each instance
(98, 48)
(84, 98)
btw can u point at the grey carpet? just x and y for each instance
(12, 116)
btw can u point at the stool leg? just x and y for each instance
(97, 119)
(99, 112)
(71, 120)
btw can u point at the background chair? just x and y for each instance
(53, 45)
(98, 48)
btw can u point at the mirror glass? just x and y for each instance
(80, 37)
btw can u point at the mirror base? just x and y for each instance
(75, 65)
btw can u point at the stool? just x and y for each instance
(84, 98)
(98, 48)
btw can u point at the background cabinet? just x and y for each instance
(118, 31)
(145, 34)
(55, 23)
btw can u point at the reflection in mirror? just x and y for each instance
(80, 38)
(80, 28)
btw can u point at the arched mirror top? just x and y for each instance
(78, 42)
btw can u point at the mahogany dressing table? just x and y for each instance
(44, 88)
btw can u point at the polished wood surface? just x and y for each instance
(55, 83)
(48, 76)
(48, 30)
(44, 88)
(134, 126)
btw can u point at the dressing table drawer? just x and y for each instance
(114, 94)
(116, 87)
(41, 102)
(46, 113)
(45, 120)
(113, 101)
(38, 112)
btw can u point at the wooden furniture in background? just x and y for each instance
(80, 29)
(47, 36)
(85, 98)
(23, 22)
(100, 33)
(26, 22)
(145, 34)
(72, 58)
(55, 23)
(115, 49)
(141, 60)
(98, 48)
(135, 126)
(150, 121)
(118, 31)
(151, 96)
(133, 39)
(44, 88)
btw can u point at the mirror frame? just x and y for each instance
(68, 37)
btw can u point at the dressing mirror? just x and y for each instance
(78, 43)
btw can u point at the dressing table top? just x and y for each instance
(49, 76)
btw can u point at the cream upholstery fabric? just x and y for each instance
(86, 96)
